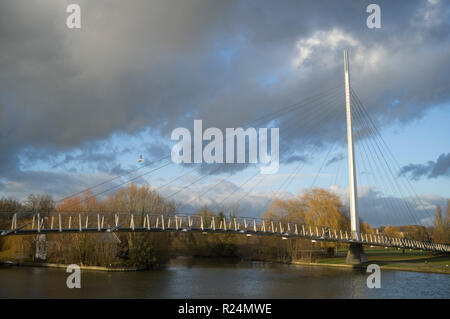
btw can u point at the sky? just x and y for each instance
(79, 106)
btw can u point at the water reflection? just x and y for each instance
(204, 278)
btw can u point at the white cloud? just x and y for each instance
(374, 207)
(322, 41)
(322, 46)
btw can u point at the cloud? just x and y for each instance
(58, 185)
(158, 65)
(432, 169)
(375, 207)
(335, 159)
(378, 208)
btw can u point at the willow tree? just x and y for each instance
(441, 230)
(439, 227)
(315, 207)
(447, 221)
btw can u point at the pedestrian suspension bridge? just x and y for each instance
(25, 223)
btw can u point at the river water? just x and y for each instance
(187, 278)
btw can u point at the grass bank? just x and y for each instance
(64, 266)
(392, 259)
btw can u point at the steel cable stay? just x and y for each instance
(383, 172)
(376, 174)
(323, 164)
(311, 110)
(373, 180)
(338, 172)
(380, 161)
(310, 122)
(338, 167)
(286, 182)
(388, 171)
(330, 93)
(251, 188)
(389, 152)
(372, 136)
(177, 178)
(117, 186)
(112, 179)
(290, 108)
(291, 176)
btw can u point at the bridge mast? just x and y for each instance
(354, 219)
(355, 253)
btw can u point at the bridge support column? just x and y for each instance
(356, 254)
(41, 247)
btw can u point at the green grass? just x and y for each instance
(395, 259)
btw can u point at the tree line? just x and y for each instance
(314, 207)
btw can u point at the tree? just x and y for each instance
(447, 214)
(415, 232)
(438, 218)
(9, 205)
(70, 205)
(317, 207)
(40, 203)
(141, 250)
(439, 227)
(447, 221)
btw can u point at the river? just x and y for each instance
(203, 278)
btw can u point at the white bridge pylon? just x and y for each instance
(354, 218)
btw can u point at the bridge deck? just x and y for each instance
(62, 224)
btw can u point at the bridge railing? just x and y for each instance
(58, 222)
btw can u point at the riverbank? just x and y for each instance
(387, 259)
(202, 278)
(390, 259)
(53, 265)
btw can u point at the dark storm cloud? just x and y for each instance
(58, 185)
(161, 64)
(335, 159)
(432, 169)
(91, 155)
(297, 158)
